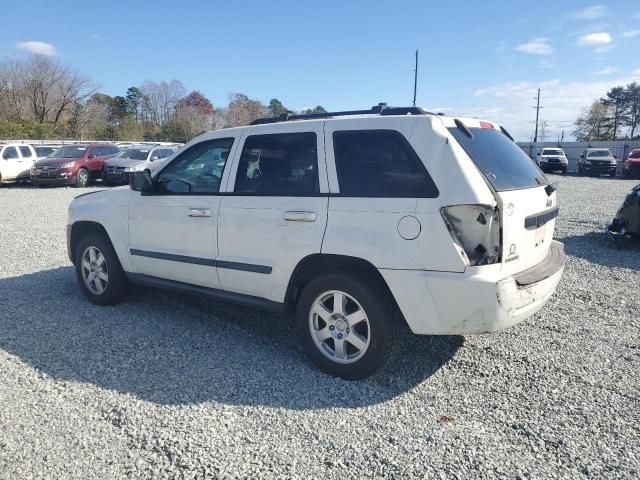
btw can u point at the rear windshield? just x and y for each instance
(69, 152)
(502, 162)
(599, 153)
(551, 151)
(635, 154)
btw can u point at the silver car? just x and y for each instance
(116, 170)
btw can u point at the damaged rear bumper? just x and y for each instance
(442, 303)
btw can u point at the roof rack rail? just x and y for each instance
(380, 109)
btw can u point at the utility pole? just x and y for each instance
(537, 107)
(415, 80)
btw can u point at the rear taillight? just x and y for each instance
(476, 230)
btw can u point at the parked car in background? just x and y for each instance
(597, 161)
(16, 160)
(552, 160)
(631, 165)
(347, 220)
(116, 169)
(72, 164)
(43, 151)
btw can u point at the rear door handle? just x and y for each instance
(199, 212)
(300, 216)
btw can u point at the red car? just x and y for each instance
(72, 164)
(631, 166)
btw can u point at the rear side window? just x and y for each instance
(635, 154)
(26, 152)
(284, 164)
(500, 160)
(380, 163)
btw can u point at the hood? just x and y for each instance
(121, 162)
(55, 161)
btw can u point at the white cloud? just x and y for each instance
(42, 48)
(536, 46)
(590, 13)
(595, 39)
(607, 71)
(631, 33)
(510, 104)
(545, 63)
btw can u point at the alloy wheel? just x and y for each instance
(339, 327)
(94, 270)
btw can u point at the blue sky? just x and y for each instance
(477, 58)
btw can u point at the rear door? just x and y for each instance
(275, 211)
(527, 211)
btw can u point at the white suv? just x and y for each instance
(16, 160)
(355, 220)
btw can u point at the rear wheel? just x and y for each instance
(82, 177)
(345, 325)
(99, 272)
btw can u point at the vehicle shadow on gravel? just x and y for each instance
(175, 349)
(597, 248)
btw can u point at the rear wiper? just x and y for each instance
(464, 128)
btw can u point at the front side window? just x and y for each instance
(197, 170)
(380, 163)
(284, 164)
(26, 152)
(10, 153)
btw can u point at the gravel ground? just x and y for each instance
(173, 386)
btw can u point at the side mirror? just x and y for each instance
(91, 155)
(582, 156)
(615, 156)
(140, 181)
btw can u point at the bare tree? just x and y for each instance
(161, 99)
(242, 110)
(43, 89)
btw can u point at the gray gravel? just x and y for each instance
(173, 386)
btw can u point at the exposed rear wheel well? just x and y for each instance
(84, 228)
(319, 264)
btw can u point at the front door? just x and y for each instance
(172, 231)
(275, 212)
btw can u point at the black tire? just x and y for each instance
(380, 310)
(82, 177)
(564, 170)
(117, 284)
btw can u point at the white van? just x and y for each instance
(351, 221)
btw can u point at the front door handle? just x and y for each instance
(300, 216)
(199, 212)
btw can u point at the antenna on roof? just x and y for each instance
(415, 80)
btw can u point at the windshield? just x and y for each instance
(552, 151)
(134, 153)
(635, 154)
(69, 152)
(44, 151)
(502, 162)
(599, 153)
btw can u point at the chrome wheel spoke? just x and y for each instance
(93, 268)
(338, 302)
(357, 341)
(86, 265)
(103, 276)
(92, 254)
(324, 334)
(100, 259)
(321, 311)
(340, 349)
(356, 317)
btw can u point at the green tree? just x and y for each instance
(618, 100)
(118, 109)
(276, 108)
(633, 99)
(134, 102)
(594, 124)
(317, 109)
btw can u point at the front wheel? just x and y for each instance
(345, 325)
(99, 272)
(82, 177)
